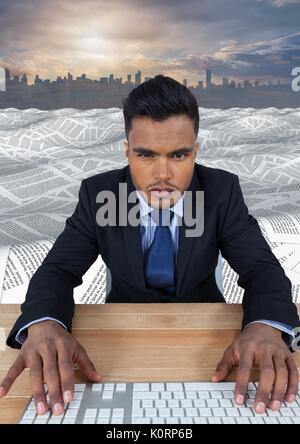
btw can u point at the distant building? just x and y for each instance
(138, 78)
(208, 78)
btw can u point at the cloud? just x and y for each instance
(280, 3)
(100, 37)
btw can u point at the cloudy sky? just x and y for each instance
(239, 39)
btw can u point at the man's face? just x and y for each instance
(161, 155)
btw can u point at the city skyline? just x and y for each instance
(247, 39)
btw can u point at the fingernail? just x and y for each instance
(41, 408)
(260, 407)
(291, 398)
(275, 405)
(67, 396)
(240, 399)
(2, 390)
(57, 410)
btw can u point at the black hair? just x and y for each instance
(159, 98)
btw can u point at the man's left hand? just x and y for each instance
(262, 345)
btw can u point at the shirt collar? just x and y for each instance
(145, 209)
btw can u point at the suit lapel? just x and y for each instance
(186, 244)
(132, 239)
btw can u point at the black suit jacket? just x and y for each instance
(228, 227)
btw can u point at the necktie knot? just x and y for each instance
(162, 217)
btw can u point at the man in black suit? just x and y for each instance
(154, 262)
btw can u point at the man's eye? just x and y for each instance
(144, 154)
(180, 154)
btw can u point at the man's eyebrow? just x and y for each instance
(140, 149)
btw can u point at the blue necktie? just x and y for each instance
(159, 262)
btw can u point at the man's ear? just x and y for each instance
(126, 148)
(197, 147)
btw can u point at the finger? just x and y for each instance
(51, 375)
(37, 384)
(66, 373)
(280, 384)
(12, 374)
(86, 364)
(224, 366)
(266, 381)
(293, 376)
(243, 376)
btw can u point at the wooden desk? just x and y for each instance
(137, 342)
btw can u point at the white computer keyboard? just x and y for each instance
(162, 403)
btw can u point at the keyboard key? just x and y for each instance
(103, 421)
(157, 387)
(191, 412)
(96, 387)
(164, 412)
(174, 386)
(108, 394)
(242, 420)
(104, 413)
(121, 387)
(225, 403)
(177, 411)
(29, 414)
(212, 403)
(141, 387)
(186, 421)
(200, 420)
(150, 413)
(158, 403)
(191, 394)
(203, 395)
(90, 413)
(68, 421)
(118, 413)
(185, 403)
(284, 420)
(140, 421)
(232, 411)
(79, 387)
(117, 420)
(89, 420)
(145, 395)
(109, 386)
(216, 395)
(199, 403)
(159, 420)
(179, 395)
(72, 413)
(213, 420)
(165, 395)
(205, 412)
(256, 420)
(219, 412)
(172, 420)
(147, 403)
(271, 420)
(137, 413)
(41, 421)
(228, 420)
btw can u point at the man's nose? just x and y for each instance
(162, 170)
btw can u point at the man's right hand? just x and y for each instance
(50, 352)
